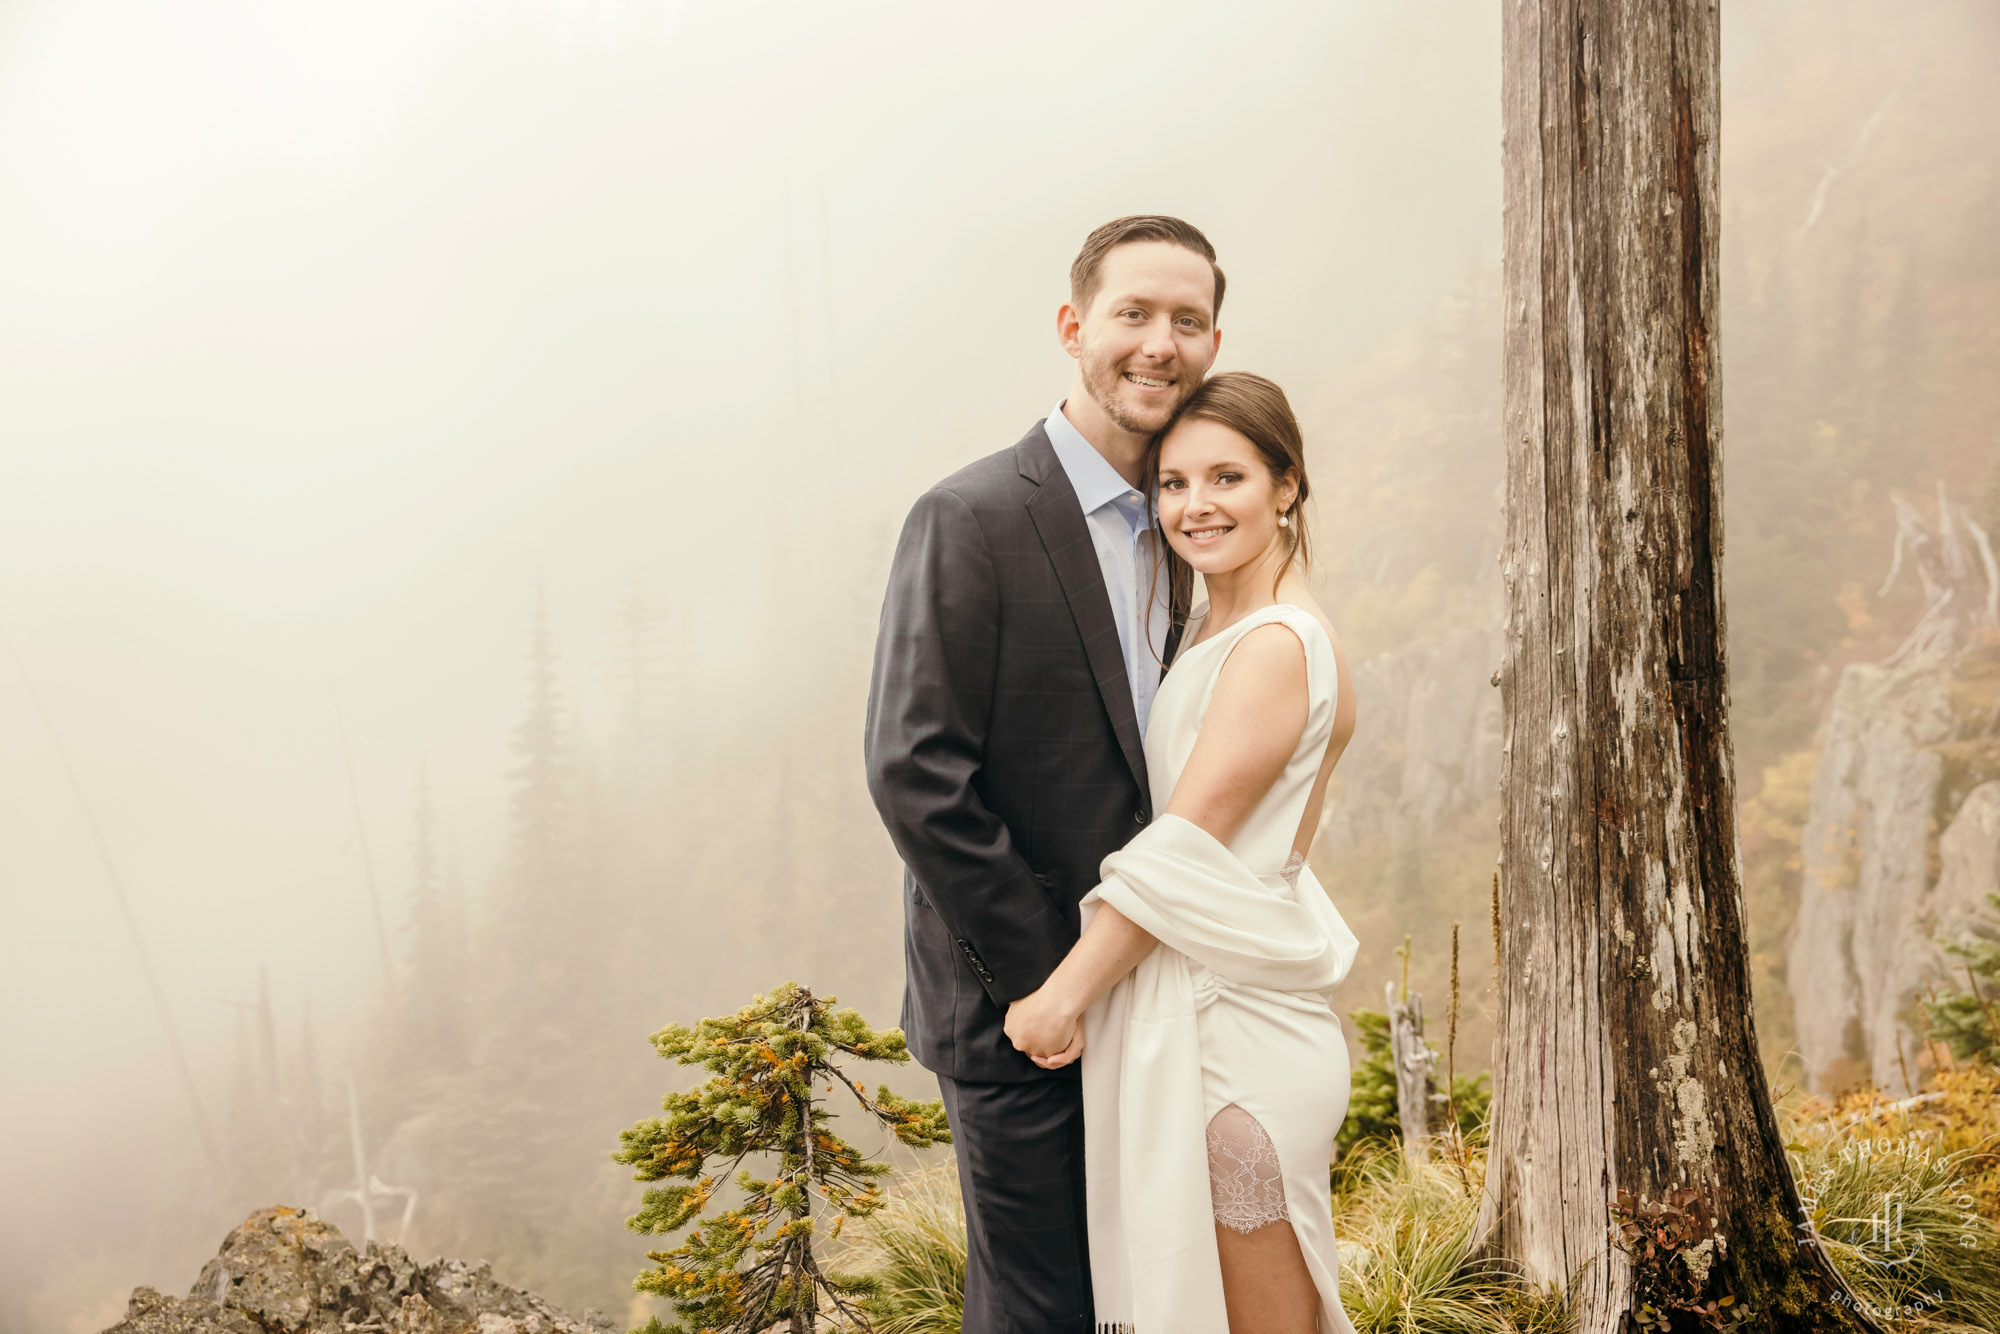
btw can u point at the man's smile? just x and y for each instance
(1153, 382)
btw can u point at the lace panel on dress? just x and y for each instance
(1246, 1187)
(1293, 865)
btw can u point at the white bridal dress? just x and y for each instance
(1215, 1075)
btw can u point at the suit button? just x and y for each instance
(1138, 817)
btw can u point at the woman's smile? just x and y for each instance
(1219, 498)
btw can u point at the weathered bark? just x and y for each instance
(1410, 1057)
(1628, 1058)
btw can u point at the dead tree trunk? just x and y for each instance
(1627, 1058)
(1410, 1057)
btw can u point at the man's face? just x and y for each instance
(1149, 335)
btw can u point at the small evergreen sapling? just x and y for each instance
(1968, 1021)
(1372, 1118)
(752, 1266)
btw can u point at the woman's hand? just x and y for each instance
(1042, 1028)
(1047, 1023)
(1065, 1056)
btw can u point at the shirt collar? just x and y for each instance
(1091, 475)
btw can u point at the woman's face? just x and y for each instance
(1219, 506)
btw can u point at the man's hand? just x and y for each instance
(1046, 1031)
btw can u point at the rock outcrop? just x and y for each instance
(1899, 849)
(1969, 867)
(284, 1271)
(1863, 949)
(1427, 746)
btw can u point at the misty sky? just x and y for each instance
(327, 330)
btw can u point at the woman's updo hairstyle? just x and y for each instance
(1256, 409)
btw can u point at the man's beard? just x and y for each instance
(1103, 381)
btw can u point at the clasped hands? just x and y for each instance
(1045, 1029)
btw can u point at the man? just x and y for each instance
(1023, 635)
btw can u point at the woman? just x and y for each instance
(1218, 1074)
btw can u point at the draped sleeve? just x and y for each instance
(1184, 887)
(1153, 1259)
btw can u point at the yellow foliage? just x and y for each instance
(1961, 1112)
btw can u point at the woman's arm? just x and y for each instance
(1045, 1023)
(1254, 721)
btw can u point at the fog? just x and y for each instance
(329, 334)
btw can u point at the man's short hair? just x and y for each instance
(1086, 274)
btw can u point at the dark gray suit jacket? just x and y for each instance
(1002, 748)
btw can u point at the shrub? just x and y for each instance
(1896, 1205)
(1372, 1120)
(753, 1266)
(1968, 1021)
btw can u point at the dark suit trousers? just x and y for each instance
(1020, 1168)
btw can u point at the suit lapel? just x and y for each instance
(1058, 519)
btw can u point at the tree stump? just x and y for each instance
(1415, 1067)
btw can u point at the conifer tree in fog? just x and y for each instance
(648, 661)
(516, 1157)
(537, 924)
(536, 911)
(827, 858)
(641, 839)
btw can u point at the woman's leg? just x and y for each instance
(1266, 1287)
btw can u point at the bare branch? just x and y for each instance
(1979, 540)
(1861, 142)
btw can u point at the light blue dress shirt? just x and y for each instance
(1121, 529)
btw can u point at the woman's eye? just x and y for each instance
(1229, 477)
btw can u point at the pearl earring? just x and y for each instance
(1284, 521)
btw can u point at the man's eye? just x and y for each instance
(1191, 324)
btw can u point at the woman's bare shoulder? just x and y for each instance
(1268, 657)
(1307, 603)
(1344, 679)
